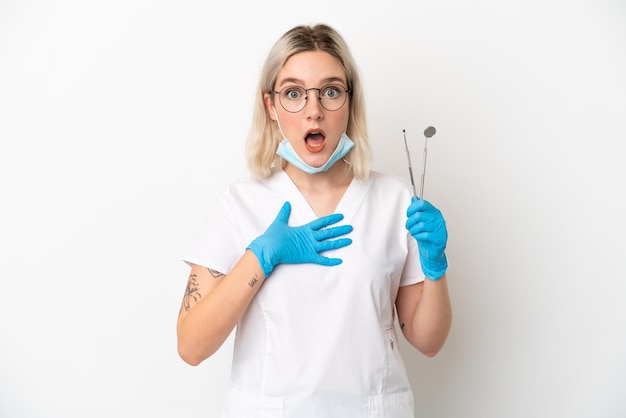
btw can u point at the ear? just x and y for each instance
(269, 106)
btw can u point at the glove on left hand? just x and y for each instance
(426, 224)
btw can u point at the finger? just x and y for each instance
(420, 235)
(410, 222)
(427, 227)
(419, 205)
(415, 219)
(332, 244)
(436, 238)
(326, 233)
(325, 261)
(431, 216)
(325, 221)
(415, 206)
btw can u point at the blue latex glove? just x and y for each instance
(426, 224)
(283, 244)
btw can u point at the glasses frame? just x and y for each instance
(319, 97)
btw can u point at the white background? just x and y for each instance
(121, 120)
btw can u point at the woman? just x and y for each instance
(313, 289)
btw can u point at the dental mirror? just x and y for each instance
(428, 133)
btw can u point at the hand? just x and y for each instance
(283, 244)
(426, 224)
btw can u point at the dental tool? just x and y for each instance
(428, 133)
(408, 157)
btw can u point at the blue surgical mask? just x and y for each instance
(286, 151)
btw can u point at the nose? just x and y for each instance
(313, 105)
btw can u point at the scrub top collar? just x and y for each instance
(302, 212)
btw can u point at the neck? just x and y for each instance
(322, 191)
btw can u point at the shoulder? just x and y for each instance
(244, 186)
(388, 183)
(250, 194)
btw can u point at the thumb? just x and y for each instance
(283, 214)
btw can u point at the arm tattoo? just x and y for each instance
(191, 293)
(402, 325)
(253, 281)
(215, 273)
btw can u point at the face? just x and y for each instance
(314, 131)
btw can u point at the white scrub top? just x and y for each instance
(318, 341)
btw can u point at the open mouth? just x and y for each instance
(315, 141)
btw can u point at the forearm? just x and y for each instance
(205, 327)
(432, 318)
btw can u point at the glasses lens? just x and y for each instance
(293, 98)
(333, 97)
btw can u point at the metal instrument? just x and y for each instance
(428, 133)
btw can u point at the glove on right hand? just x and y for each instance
(283, 244)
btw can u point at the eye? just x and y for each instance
(293, 93)
(332, 92)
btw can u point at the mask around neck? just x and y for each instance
(286, 151)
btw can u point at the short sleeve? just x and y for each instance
(412, 272)
(217, 244)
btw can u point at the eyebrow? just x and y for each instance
(325, 81)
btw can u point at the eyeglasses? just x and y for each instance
(293, 98)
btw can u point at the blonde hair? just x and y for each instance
(265, 136)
